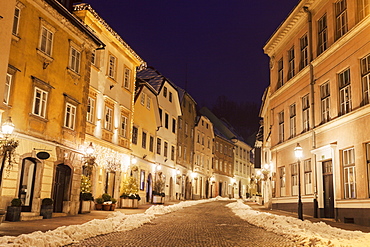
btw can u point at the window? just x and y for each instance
(294, 170)
(185, 149)
(170, 97)
(281, 126)
(39, 102)
(166, 119)
(165, 92)
(74, 60)
(143, 140)
(134, 135)
(165, 149)
(292, 120)
(159, 144)
(70, 116)
(363, 8)
(108, 120)
(304, 51)
(344, 92)
(322, 35)
(46, 41)
(173, 125)
(93, 58)
(306, 112)
(282, 180)
(367, 147)
(280, 73)
(349, 177)
(160, 114)
(365, 73)
(142, 180)
(325, 102)
(142, 99)
(307, 176)
(8, 84)
(17, 13)
(127, 78)
(123, 130)
(186, 129)
(291, 71)
(151, 144)
(112, 60)
(172, 152)
(90, 110)
(148, 102)
(341, 18)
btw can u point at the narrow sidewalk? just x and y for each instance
(24, 227)
(328, 221)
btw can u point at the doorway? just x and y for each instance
(220, 189)
(27, 183)
(149, 188)
(61, 186)
(327, 172)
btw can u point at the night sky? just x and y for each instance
(210, 48)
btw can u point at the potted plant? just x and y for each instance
(99, 203)
(85, 202)
(130, 196)
(158, 191)
(47, 208)
(107, 201)
(13, 212)
(113, 205)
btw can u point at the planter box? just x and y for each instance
(129, 203)
(46, 211)
(106, 207)
(85, 207)
(158, 200)
(13, 213)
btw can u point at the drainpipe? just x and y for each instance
(312, 92)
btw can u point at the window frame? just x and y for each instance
(42, 105)
(108, 118)
(112, 66)
(124, 122)
(291, 68)
(293, 124)
(306, 112)
(325, 102)
(70, 116)
(8, 84)
(74, 59)
(348, 166)
(345, 98)
(341, 19)
(47, 41)
(304, 51)
(322, 34)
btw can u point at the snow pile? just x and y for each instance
(304, 233)
(117, 221)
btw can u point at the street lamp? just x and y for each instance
(7, 146)
(298, 151)
(89, 160)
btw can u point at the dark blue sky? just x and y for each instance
(216, 46)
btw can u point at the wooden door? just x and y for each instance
(61, 186)
(327, 169)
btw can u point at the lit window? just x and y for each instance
(308, 176)
(363, 8)
(306, 112)
(293, 126)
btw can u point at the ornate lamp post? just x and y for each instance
(7, 146)
(298, 151)
(89, 160)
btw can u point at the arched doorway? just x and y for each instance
(62, 183)
(149, 188)
(27, 183)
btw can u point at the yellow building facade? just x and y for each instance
(110, 111)
(45, 95)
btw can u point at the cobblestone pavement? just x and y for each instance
(206, 224)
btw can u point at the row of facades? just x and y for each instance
(319, 97)
(69, 80)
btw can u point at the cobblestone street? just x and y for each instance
(206, 224)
